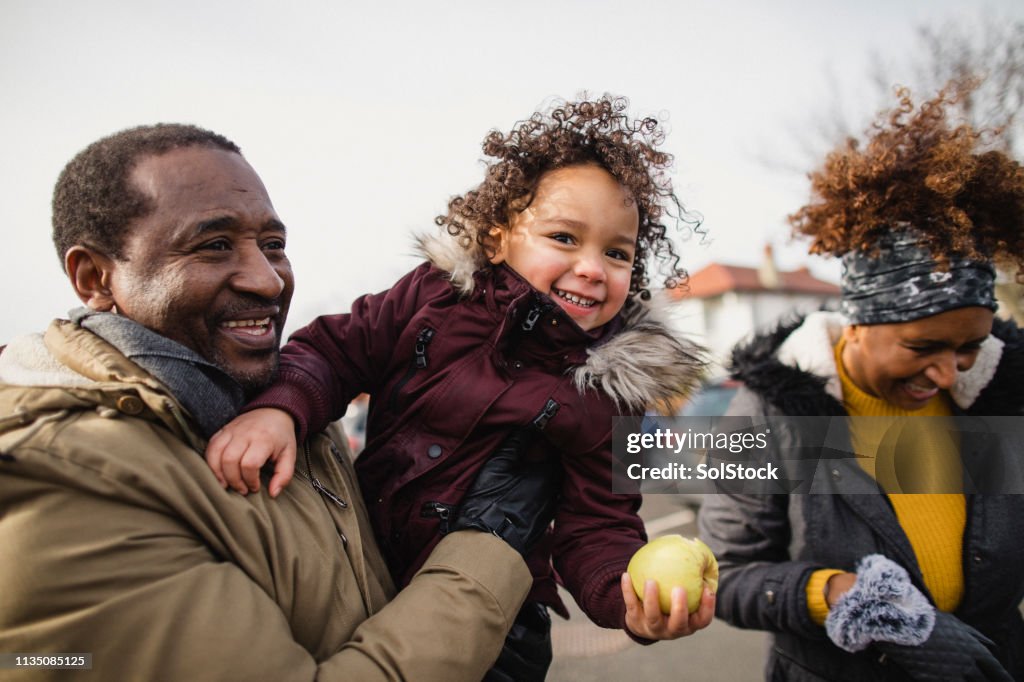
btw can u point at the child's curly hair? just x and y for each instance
(569, 134)
(918, 169)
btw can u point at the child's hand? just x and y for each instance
(646, 619)
(238, 451)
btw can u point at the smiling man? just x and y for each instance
(118, 542)
(206, 267)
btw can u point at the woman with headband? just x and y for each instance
(890, 585)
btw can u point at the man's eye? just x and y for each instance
(274, 245)
(216, 245)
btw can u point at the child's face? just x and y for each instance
(575, 242)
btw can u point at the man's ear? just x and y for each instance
(496, 246)
(90, 273)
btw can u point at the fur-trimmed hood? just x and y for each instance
(793, 368)
(648, 362)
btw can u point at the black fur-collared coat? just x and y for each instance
(768, 546)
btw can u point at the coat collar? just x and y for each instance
(640, 359)
(70, 368)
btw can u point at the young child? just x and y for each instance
(526, 315)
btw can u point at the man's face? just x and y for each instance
(207, 267)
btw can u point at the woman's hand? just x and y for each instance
(838, 585)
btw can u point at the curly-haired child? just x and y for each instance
(530, 313)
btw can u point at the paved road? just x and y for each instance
(587, 653)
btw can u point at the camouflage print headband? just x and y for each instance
(902, 282)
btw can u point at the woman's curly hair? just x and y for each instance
(569, 134)
(920, 170)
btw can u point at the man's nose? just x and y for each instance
(256, 274)
(942, 372)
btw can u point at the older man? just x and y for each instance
(117, 540)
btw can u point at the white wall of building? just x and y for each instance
(720, 322)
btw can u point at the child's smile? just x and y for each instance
(580, 301)
(575, 242)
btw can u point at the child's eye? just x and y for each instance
(618, 254)
(564, 238)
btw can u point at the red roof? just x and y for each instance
(716, 279)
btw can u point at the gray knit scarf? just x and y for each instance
(902, 282)
(211, 397)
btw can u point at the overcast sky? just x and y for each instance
(364, 118)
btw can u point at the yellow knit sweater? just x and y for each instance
(934, 524)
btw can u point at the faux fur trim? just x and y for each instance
(969, 385)
(882, 606)
(28, 362)
(461, 263)
(650, 362)
(787, 388)
(809, 348)
(1004, 396)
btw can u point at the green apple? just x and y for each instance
(671, 561)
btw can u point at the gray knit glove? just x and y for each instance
(882, 606)
(955, 651)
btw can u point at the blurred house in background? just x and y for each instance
(724, 303)
(1010, 295)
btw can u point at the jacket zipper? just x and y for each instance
(537, 310)
(322, 489)
(419, 362)
(531, 317)
(549, 411)
(441, 510)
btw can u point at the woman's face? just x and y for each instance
(908, 363)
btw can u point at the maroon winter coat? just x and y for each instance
(452, 368)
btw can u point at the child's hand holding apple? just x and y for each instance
(676, 580)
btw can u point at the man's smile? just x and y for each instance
(251, 327)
